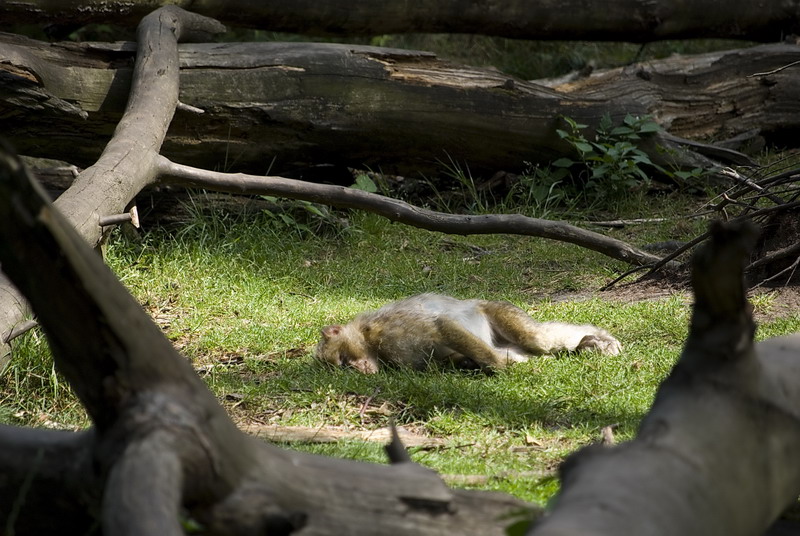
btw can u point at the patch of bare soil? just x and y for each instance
(778, 302)
(782, 302)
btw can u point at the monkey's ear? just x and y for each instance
(331, 331)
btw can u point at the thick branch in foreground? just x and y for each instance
(716, 454)
(396, 210)
(620, 20)
(273, 107)
(161, 443)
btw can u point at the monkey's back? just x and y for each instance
(407, 332)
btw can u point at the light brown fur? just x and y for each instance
(468, 333)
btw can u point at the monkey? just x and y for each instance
(434, 328)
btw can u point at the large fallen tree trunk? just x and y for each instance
(276, 106)
(621, 20)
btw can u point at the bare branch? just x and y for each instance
(396, 210)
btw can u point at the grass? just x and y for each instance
(249, 287)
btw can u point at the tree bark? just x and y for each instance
(272, 107)
(618, 20)
(716, 454)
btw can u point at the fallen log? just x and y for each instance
(273, 107)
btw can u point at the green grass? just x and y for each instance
(225, 286)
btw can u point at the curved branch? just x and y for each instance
(400, 211)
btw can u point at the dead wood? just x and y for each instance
(715, 454)
(282, 106)
(630, 20)
(482, 480)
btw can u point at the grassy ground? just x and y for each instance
(244, 297)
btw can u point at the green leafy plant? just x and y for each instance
(365, 183)
(540, 191)
(612, 163)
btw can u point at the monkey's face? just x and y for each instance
(342, 347)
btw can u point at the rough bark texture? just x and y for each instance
(13, 310)
(716, 454)
(277, 106)
(615, 20)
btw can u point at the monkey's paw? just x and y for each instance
(602, 342)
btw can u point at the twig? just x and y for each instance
(732, 173)
(790, 268)
(632, 271)
(775, 255)
(481, 480)
(779, 69)
(367, 402)
(686, 247)
(623, 223)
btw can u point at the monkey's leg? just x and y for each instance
(515, 326)
(468, 345)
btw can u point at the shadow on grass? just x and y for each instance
(556, 392)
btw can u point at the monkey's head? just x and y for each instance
(345, 346)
